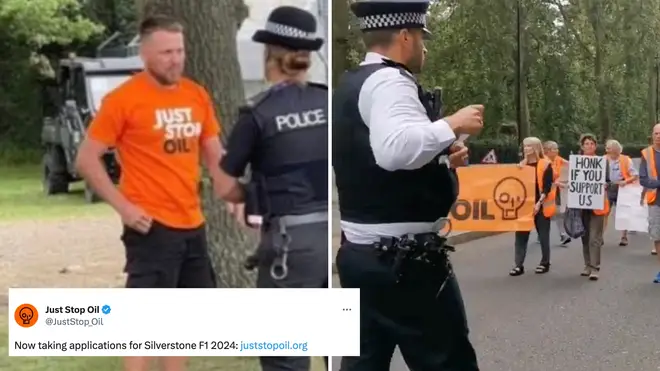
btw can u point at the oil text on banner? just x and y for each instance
(494, 198)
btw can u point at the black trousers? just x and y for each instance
(167, 257)
(429, 328)
(308, 268)
(522, 238)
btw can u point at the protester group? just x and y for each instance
(580, 195)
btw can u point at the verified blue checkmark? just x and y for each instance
(105, 309)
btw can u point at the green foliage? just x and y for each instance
(28, 29)
(43, 22)
(508, 151)
(11, 154)
(20, 100)
(116, 16)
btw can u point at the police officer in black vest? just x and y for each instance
(393, 159)
(282, 134)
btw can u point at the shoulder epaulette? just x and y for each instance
(257, 99)
(407, 75)
(403, 70)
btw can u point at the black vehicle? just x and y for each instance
(81, 84)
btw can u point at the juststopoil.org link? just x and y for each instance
(72, 321)
(274, 346)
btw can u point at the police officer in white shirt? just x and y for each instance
(393, 189)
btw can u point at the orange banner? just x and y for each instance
(494, 198)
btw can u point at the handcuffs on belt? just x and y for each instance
(430, 247)
(279, 269)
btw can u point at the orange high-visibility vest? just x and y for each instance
(624, 165)
(557, 163)
(549, 204)
(606, 209)
(649, 157)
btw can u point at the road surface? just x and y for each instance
(559, 321)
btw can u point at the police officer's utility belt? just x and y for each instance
(295, 220)
(279, 269)
(429, 248)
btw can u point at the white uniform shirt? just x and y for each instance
(401, 136)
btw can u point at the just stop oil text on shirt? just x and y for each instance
(157, 133)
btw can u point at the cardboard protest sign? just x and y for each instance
(494, 198)
(631, 214)
(586, 183)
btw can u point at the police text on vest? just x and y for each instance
(299, 120)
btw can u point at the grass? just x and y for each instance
(22, 197)
(115, 364)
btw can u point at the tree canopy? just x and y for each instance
(588, 65)
(33, 36)
(42, 22)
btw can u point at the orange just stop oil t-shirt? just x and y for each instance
(157, 134)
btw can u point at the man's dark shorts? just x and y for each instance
(168, 258)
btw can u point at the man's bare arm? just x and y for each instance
(91, 168)
(225, 186)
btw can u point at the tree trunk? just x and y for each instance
(212, 60)
(521, 75)
(595, 18)
(340, 13)
(526, 63)
(652, 95)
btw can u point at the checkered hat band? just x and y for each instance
(288, 31)
(391, 20)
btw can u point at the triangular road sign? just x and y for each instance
(490, 158)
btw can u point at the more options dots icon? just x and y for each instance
(26, 315)
(510, 195)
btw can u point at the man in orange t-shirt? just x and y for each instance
(159, 123)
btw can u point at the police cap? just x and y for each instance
(290, 27)
(391, 14)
